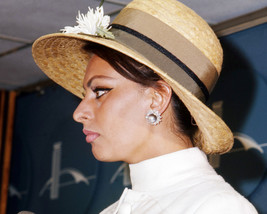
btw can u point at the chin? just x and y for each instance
(103, 159)
(101, 156)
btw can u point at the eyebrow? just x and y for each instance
(89, 83)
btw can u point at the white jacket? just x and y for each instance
(182, 182)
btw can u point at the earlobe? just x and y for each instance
(162, 96)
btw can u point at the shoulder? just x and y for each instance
(226, 202)
(208, 196)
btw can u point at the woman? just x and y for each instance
(142, 83)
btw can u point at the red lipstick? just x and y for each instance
(90, 135)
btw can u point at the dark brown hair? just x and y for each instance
(139, 73)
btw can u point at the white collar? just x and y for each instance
(167, 170)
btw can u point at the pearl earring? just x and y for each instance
(153, 117)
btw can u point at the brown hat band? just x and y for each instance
(173, 53)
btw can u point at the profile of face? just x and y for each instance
(113, 114)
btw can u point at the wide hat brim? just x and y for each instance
(62, 58)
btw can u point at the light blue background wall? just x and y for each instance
(242, 90)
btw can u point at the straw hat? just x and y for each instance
(164, 35)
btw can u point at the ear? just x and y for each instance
(161, 97)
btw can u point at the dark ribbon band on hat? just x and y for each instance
(167, 49)
(149, 41)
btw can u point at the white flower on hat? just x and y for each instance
(92, 23)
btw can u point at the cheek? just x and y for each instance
(127, 113)
(133, 107)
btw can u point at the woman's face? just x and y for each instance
(113, 114)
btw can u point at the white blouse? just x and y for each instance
(180, 182)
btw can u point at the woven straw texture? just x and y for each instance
(185, 21)
(62, 58)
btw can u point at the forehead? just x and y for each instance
(98, 66)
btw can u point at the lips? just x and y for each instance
(90, 135)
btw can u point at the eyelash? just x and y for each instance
(104, 90)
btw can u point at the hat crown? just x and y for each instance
(186, 22)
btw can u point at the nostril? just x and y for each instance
(79, 117)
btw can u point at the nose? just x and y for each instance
(83, 112)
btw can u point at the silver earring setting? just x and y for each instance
(153, 117)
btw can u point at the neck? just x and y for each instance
(160, 143)
(168, 143)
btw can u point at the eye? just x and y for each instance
(99, 92)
